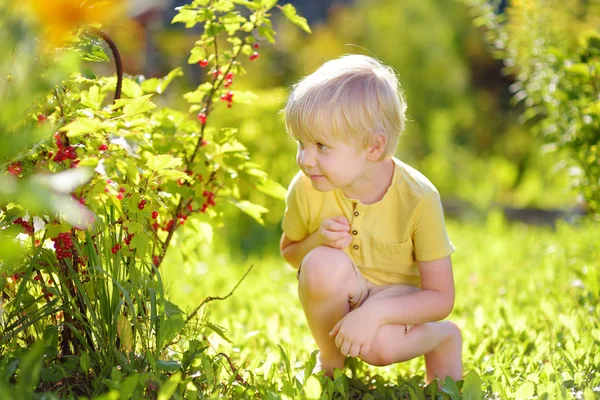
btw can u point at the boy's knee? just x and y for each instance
(324, 271)
(454, 331)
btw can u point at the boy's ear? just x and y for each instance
(377, 147)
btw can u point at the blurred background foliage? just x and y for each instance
(464, 131)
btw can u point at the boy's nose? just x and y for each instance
(305, 159)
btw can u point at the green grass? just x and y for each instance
(526, 300)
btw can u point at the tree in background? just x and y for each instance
(552, 48)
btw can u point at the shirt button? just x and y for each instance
(356, 213)
(355, 232)
(355, 247)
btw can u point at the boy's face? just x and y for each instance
(330, 165)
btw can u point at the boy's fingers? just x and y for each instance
(354, 350)
(341, 219)
(335, 235)
(335, 329)
(364, 349)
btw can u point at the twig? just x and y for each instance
(238, 377)
(116, 56)
(211, 298)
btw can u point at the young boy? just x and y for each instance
(365, 230)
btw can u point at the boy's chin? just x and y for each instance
(322, 186)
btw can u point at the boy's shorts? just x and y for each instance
(366, 291)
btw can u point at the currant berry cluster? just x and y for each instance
(64, 152)
(228, 97)
(63, 245)
(142, 204)
(15, 168)
(27, 227)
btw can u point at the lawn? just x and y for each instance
(526, 300)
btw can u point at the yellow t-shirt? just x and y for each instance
(389, 236)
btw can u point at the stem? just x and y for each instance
(116, 56)
(211, 298)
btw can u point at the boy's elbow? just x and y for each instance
(446, 307)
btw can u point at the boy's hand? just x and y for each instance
(335, 232)
(355, 333)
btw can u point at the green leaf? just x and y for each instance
(254, 210)
(82, 126)
(198, 53)
(127, 387)
(449, 387)
(125, 333)
(92, 98)
(272, 188)
(170, 328)
(131, 89)
(244, 97)
(219, 331)
(141, 243)
(168, 366)
(268, 4)
(186, 16)
(169, 387)
(84, 362)
(135, 106)
(312, 388)
(290, 13)
(162, 162)
(172, 309)
(472, 387)
(249, 4)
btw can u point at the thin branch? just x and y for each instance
(116, 56)
(211, 298)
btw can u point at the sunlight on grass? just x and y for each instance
(527, 303)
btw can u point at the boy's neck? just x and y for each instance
(373, 184)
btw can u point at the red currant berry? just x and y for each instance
(202, 118)
(203, 63)
(103, 147)
(120, 196)
(254, 56)
(154, 214)
(256, 46)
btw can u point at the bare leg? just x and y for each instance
(440, 342)
(327, 280)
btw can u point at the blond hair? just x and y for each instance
(350, 99)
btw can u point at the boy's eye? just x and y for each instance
(321, 146)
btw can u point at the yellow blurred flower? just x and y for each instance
(60, 19)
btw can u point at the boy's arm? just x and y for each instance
(294, 252)
(434, 302)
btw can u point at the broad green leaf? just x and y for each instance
(254, 210)
(449, 387)
(93, 98)
(290, 13)
(125, 333)
(127, 387)
(81, 126)
(168, 388)
(84, 362)
(272, 188)
(472, 387)
(312, 388)
(198, 53)
(170, 328)
(131, 89)
(168, 366)
(219, 331)
(186, 16)
(135, 106)
(162, 162)
(253, 5)
(268, 4)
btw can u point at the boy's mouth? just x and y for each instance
(315, 177)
